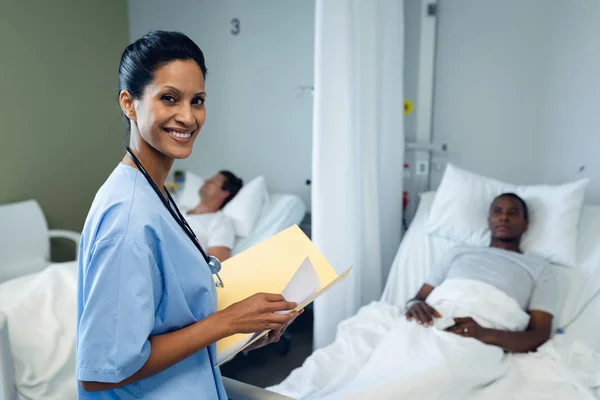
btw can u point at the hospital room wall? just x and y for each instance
(61, 131)
(258, 122)
(517, 89)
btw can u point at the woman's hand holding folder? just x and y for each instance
(274, 335)
(257, 313)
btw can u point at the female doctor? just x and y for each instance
(146, 317)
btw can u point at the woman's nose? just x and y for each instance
(185, 116)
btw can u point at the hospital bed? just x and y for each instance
(38, 303)
(579, 288)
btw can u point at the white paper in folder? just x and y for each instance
(303, 284)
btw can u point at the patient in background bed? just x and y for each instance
(527, 279)
(214, 229)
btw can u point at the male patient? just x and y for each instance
(214, 229)
(529, 280)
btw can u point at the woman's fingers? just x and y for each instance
(279, 303)
(282, 319)
(272, 297)
(276, 302)
(282, 306)
(274, 326)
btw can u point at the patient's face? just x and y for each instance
(171, 111)
(507, 219)
(213, 188)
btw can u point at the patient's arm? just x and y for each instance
(424, 292)
(537, 333)
(422, 312)
(222, 253)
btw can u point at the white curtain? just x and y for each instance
(358, 150)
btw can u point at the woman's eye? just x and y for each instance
(198, 101)
(168, 98)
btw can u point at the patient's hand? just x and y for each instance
(467, 327)
(422, 312)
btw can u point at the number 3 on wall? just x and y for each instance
(235, 26)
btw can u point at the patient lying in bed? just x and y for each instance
(499, 302)
(214, 230)
(529, 280)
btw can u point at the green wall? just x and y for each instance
(60, 128)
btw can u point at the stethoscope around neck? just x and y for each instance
(213, 262)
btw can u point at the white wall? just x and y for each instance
(256, 122)
(517, 90)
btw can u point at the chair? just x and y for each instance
(25, 239)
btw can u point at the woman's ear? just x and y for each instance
(127, 104)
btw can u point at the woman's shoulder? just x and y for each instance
(121, 208)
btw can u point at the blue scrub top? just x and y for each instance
(139, 275)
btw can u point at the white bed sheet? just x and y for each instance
(379, 355)
(419, 253)
(281, 212)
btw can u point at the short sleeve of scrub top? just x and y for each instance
(118, 294)
(139, 276)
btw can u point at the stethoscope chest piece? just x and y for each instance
(215, 267)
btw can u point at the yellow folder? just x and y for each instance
(267, 268)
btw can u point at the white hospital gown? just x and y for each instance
(212, 229)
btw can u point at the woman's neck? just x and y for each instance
(154, 162)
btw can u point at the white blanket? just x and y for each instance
(41, 310)
(378, 354)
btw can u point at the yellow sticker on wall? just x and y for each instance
(408, 107)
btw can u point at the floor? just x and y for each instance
(267, 366)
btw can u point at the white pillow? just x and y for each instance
(244, 209)
(461, 206)
(188, 196)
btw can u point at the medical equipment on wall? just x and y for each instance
(213, 262)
